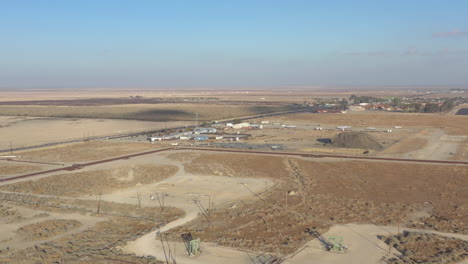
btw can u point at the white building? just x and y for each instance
(241, 125)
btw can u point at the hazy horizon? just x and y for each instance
(233, 45)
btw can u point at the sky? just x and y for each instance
(232, 44)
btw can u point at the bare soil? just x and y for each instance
(409, 144)
(94, 182)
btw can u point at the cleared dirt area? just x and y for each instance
(26, 131)
(453, 125)
(94, 182)
(313, 196)
(409, 144)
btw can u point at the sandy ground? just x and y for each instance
(364, 246)
(22, 132)
(431, 144)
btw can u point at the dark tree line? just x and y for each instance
(365, 99)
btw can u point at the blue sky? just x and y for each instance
(230, 44)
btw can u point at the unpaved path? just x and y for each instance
(8, 237)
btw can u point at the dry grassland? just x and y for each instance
(27, 131)
(121, 223)
(329, 193)
(85, 151)
(48, 228)
(12, 169)
(453, 125)
(149, 112)
(427, 248)
(94, 182)
(288, 95)
(183, 157)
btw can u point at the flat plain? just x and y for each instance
(128, 200)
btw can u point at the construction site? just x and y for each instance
(286, 187)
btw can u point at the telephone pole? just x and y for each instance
(99, 204)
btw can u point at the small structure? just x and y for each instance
(205, 130)
(241, 125)
(343, 128)
(336, 244)
(199, 138)
(192, 245)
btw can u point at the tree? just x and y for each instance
(418, 108)
(431, 108)
(396, 101)
(343, 104)
(447, 105)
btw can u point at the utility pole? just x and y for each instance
(11, 147)
(209, 204)
(99, 204)
(139, 199)
(161, 201)
(164, 248)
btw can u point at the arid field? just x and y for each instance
(127, 200)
